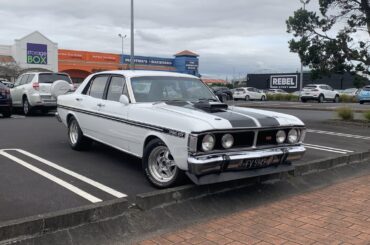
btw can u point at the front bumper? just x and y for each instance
(229, 164)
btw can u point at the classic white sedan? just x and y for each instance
(177, 126)
(249, 94)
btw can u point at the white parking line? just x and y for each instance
(338, 134)
(56, 180)
(328, 149)
(74, 174)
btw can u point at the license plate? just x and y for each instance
(257, 163)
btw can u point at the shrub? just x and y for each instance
(345, 113)
(347, 98)
(367, 115)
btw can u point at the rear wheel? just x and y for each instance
(263, 98)
(27, 108)
(76, 139)
(321, 98)
(159, 165)
(304, 100)
(224, 98)
(362, 102)
(247, 98)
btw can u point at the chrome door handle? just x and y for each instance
(78, 99)
(100, 105)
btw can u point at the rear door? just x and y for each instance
(18, 90)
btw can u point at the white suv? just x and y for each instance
(38, 90)
(249, 94)
(319, 92)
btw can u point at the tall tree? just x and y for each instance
(334, 40)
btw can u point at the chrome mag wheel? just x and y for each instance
(161, 164)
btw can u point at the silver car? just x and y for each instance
(39, 90)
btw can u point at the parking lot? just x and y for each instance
(40, 173)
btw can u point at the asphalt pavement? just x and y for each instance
(40, 173)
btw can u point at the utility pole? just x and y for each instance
(304, 2)
(132, 58)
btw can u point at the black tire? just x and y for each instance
(336, 99)
(7, 113)
(27, 108)
(178, 174)
(44, 111)
(80, 142)
(361, 102)
(263, 98)
(247, 98)
(224, 98)
(321, 98)
(303, 100)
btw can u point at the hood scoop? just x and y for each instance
(210, 106)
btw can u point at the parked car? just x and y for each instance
(33, 91)
(276, 91)
(5, 101)
(187, 131)
(319, 92)
(223, 93)
(5, 82)
(364, 95)
(349, 92)
(249, 94)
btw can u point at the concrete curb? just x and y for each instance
(50, 222)
(170, 196)
(296, 108)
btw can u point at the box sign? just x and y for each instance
(37, 54)
(284, 81)
(192, 65)
(152, 61)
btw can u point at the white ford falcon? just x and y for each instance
(178, 127)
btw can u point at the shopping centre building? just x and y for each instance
(36, 52)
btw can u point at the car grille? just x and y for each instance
(266, 138)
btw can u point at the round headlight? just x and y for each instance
(208, 142)
(280, 137)
(227, 141)
(293, 136)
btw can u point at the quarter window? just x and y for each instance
(30, 78)
(24, 79)
(97, 87)
(116, 87)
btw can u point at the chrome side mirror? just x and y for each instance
(124, 99)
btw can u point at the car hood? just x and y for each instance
(186, 116)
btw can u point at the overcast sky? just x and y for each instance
(233, 37)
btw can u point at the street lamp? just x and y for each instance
(304, 2)
(122, 37)
(132, 58)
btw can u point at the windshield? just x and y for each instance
(52, 77)
(366, 89)
(310, 87)
(154, 89)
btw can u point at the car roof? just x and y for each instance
(131, 73)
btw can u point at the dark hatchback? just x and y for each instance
(5, 101)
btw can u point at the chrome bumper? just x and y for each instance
(241, 161)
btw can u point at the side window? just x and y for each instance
(18, 82)
(30, 78)
(97, 87)
(250, 89)
(324, 87)
(116, 87)
(24, 79)
(329, 88)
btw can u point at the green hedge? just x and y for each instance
(347, 99)
(282, 97)
(367, 115)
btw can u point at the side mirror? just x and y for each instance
(11, 85)
(124, 100)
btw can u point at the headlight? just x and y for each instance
(280, 137)
(293, 136)
(227, 141)
(208, 142)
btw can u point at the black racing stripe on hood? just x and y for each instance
(264, 119)
(236, 120)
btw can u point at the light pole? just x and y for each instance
(304, 2)
(132, 58)
(122, 37)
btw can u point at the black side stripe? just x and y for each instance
(168, 131)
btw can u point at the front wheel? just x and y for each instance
(76, 139)
(247, 98)
(7, 113)
(159, 165)
(263, 98)
(362, 102)
(336, 99)
(321, 98)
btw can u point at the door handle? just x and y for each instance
(100, 105)
(78, 99)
